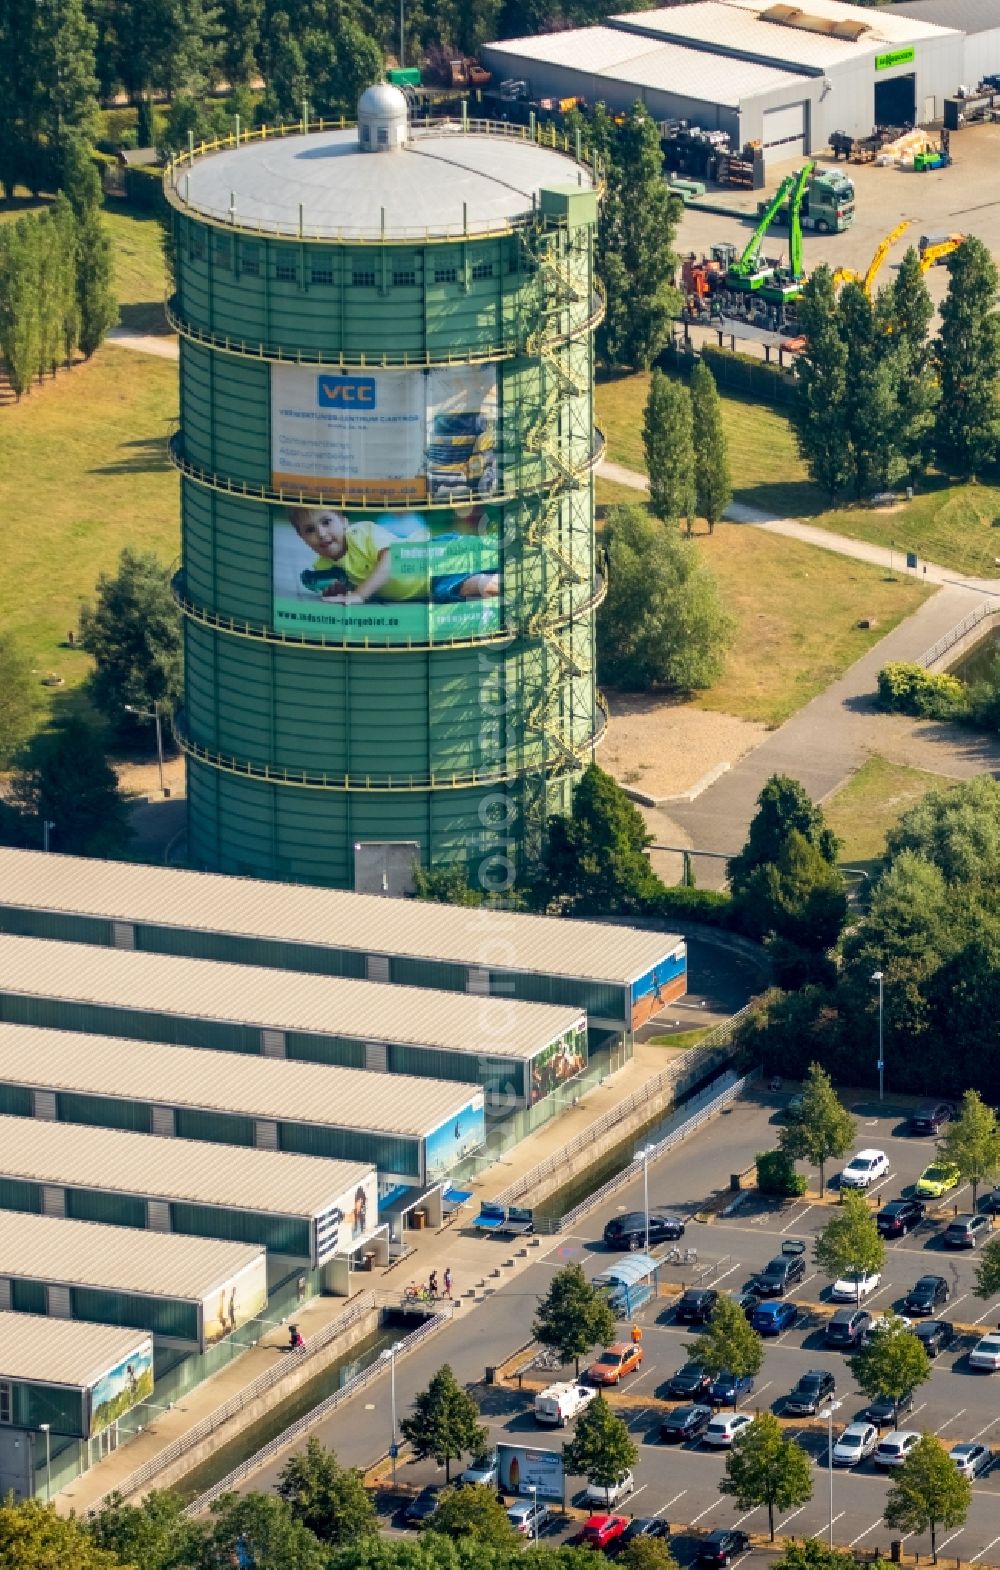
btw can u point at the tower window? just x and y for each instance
(481, 270)
(250, 260)
(363, 278)
(321, 272)
(285, 272)
(223, 251)
(445, 274)
(405, 279)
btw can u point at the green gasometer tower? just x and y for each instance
(386, 450)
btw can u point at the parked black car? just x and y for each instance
(722, 1546)
(928, 1119)
(935, 1335)
(847, 1327)
(899, 1216)
(811, 1391)
(990, 1203)
(643, 1526)
(629, 1231)
(778, 1275)
(689, 1383)
(420, 1510)
(748, 1301)
(883, 1410)
(926, 1295)
(684, 1423)
(695, 1307)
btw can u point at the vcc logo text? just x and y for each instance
(345, 392)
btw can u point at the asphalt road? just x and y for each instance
(682, 1483)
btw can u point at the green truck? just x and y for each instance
(827, 203)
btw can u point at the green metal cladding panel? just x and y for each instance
(16, 1195)
(116, 1210)
(160, 1316)
(29, 1297)
(344, 1144)
(16, 1101)
(54, 924)
(103, 1112)
(218, 1128)
(63, 1409)
(234, 949)
(257, 829)
(279, 1234)
(171, 1029)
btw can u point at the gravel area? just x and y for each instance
(662, 746)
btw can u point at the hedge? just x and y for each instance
(910, 689)
(704, 905)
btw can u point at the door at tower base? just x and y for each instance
(381, 577)
(404, 436)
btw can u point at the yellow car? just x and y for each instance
(937, 1179)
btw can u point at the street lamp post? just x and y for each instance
(390, 1354)
(533, 1491)
(47, 827)
(643, 1155)
(151, 714)
(48, 1462)
(832, 1406)
(878, 975)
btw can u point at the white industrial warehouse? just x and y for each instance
(784, 75)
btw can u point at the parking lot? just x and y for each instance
(681, 1482)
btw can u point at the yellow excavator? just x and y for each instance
(867, 280)
(936, 253)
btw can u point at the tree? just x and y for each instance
(972, 1142)
(850, 1244)
(662, 624)
(19, 698)
(573, 1316)
(20, 306)
(870, 409)
(967, 352)
(33, 1537)
(824, 1127)
(729, 1344)
(601, 1450)
(71, 785)
(799, 897)
(891, 1363)
(957, 830)
(783, 807)
(765, 1468)
(668, 442)
(988, 1270)
(928, 1491)
(903, 312)
(812, 1554)
(47, 89)
(260, 1529)
(133, 633)
(595, 860)
(474, 1512)
(712, 480)
(444, 1422)
(153, 1535)
(94, 281)
(776, 1174)
(818, 410)
(635, 259)
(329, 1499)
(647, 1553)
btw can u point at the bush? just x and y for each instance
(704, 905)
(776, 1174)
(144, 188)
(910, 689)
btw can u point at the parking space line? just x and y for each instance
(782, 1524)
(982, 1431)
(671, 1502)
(740, 1519)
(979, 1554)
(796, 1219)
(954, 1419)
(637, 1491)
(728, 1272)
(633, 1382)
(983, 1315)
(951, 1539)
(705, 1512)
(803, 1283)
(952, 1306)
(867, 1530)
(759, 1391)
(917, 1409)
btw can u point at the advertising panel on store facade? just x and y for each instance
(558, 1063)
(122, 1387)
(242, 1298)
(523, 1470)
(454, 1140)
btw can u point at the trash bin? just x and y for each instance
(911, 558)
(418, 1220)
(896, 1550)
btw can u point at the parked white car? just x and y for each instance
(895, 1447)
(986, 1354)
(560, 1404)
(482, 1472)
(722, 1430)
(855, 1288)
(972, 1459)
(856, 1442)
(606, 1498)
(527, 1516)
(864, 1169)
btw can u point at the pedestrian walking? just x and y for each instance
(447, 1283)
(432, 1284)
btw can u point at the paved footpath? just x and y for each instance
(827, 740)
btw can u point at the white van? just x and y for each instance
(560, 1404)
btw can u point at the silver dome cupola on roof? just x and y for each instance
(383, 119)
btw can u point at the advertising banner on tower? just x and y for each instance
(387, 577)
(371, 436)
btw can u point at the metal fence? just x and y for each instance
(693, 1066)
(634, 1169)
(295, 1430)
(363, 1304)
(933, 654)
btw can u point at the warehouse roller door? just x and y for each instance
(784, 136)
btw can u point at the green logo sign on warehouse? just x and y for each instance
(894, 57)
(386, 450)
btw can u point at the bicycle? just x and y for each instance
(682, 1256)
(418, 1294)
(549, 1361)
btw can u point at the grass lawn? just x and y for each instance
(679, 1038)
(796, 611)
(140, 275)
(872, 801)
(952, 525)
(83, 472)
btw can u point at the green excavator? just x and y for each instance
(751, 274)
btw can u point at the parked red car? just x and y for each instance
(601, 1530)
